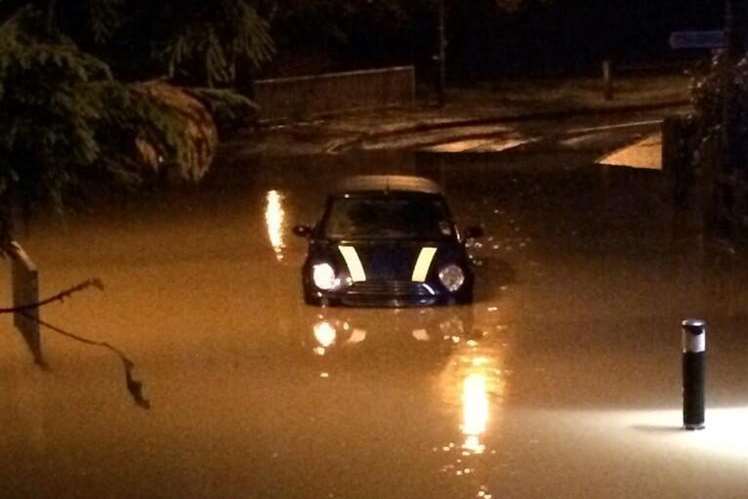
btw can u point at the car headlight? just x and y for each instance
(452, 276)
(323, 276)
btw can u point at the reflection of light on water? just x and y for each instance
(473, 382)
(274, 218)
(475, 411)
(331, 332)
(420, 334)
(357, 336)
(454, 326)
(325, 334)
(725, 434)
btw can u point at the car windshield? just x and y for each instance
(386, 217)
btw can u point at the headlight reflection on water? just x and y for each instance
(331, 333)
(325, 334)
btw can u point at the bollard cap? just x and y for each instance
(694, 326)
(694, 335)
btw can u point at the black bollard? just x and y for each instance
(694, 370)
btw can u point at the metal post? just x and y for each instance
(736, 39)
(441, 80)
(694, 373)
(723, 189)
(675, 162)
(25, 282)
(735, 29)
(607, 80)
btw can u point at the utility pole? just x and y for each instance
(730, 174)
(735, 28)
(441, 78)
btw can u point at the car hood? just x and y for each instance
(391, 260)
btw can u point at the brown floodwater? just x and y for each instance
(562, 380)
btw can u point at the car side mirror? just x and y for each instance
(302, 231)
(473, 232)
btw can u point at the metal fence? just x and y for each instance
(305, 96)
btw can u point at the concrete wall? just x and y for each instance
(306, 96)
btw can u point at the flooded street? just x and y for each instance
(562, 380)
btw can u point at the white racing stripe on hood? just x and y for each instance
(353, 262)
(423, 264)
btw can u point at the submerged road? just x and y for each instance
(562, 380)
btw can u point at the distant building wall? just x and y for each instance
(305, 96)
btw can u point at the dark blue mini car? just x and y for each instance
(387, 241)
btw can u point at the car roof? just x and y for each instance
(387, 183)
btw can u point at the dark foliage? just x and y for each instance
(231, 111)
(64, 119)
(190, 41)
(710, 88)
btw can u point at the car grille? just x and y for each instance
(389, 288)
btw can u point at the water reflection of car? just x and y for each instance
(387, 240)
(335, 329)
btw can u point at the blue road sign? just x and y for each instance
(698, 39)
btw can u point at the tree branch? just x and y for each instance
(11, 11)
(96, 283)
(49, 22)
(134, 386)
